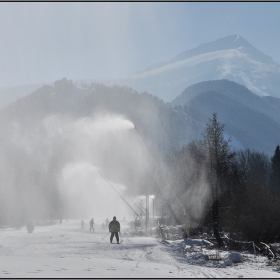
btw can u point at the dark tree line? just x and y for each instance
(243, 187)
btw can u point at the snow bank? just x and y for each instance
(66, 251)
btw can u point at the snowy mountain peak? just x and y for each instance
(231, 58)
(226, 43)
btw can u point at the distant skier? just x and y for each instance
(114, 228)
(30, 227)
(91, 225)
(82, 224)
(107, 222)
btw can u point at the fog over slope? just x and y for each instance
(68, 151)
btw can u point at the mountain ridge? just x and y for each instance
(235, 91)
(231, 57)
(248, 118)
(230, 42)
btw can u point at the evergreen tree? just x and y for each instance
(275, 175)
(218, 158)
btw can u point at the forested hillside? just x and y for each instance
(59, 144)
(252, 121)
(42, 133)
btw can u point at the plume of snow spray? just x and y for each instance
(101, 143)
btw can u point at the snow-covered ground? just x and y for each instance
(64, 250)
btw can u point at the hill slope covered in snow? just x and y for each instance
(66, 251)
(231, 58)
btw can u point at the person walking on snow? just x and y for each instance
(91, 225)
(114, 228)
(107, 222)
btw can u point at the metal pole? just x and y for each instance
(118, 193)
(153, 199)
(146, 215)
(148, 200)
(153, 212)
(160, 169)
(105, 235)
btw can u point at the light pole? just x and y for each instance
(153, 198)
(147, 213)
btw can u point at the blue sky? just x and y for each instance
(45, 41)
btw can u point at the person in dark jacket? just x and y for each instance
(114, 228)
(91, 223)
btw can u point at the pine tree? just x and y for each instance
(275, 175)
(218, 158)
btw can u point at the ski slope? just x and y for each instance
(64, 250)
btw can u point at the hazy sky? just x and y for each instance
(46, 41)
